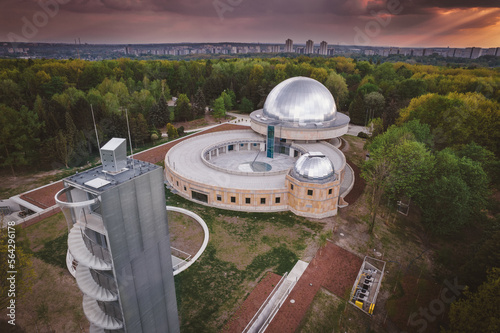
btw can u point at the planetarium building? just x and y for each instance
(288, 160)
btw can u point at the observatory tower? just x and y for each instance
(119, 244)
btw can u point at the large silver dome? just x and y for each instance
(314, 166)
(300, 99)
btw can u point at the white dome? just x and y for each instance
(300, 99)
(314, 166)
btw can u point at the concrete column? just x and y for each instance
(217, 151)
(291, 152)
(248, 146)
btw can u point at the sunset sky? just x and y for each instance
(418, 23)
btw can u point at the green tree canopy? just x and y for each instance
(477, 311)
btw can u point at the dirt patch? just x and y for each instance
(252, 303)
(186, 234)
(359, 185)
(332, 267)
(54, 303)
(43, 197)
(207, 120)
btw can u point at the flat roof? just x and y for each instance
(185, 159)
(97, 180)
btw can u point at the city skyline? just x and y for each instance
(355, 22)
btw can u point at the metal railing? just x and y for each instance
(104, 281)
(266, 302)
(95, 248)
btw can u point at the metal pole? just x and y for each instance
(96, 135)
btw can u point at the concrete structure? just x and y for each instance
(309, 47)
(289, 45)
(119, 244)
(323, 48)
(277, 165)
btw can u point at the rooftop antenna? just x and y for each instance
(96, 135)
(130, 140)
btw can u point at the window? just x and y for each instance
(233, 199)
(177, 183)
(230, 147)
(262, 201)
(309, 192)
(277, 200)
(219, 197)
(199, 196)
(247, 200)
(185, 188)
(330, 191)
(242, 144)
(255, 145)
(291, 187)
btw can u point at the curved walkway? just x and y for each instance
(205, 239)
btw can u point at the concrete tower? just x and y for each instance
(323, 48)
(289, 45)
(309, 47)
(119, 244)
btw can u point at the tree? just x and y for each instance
(374, 103)
(376, 172)
(199, 104)
(457, 193)
(246, 105)
(219, 108)
(139, 129)
(18, 136)
(172, 132)
(228, 103)
(476, 311)
(159, 114)
(338, 87)
(182, 108)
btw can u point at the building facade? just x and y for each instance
(286, 161)
(323, 48)
(309, 47)
(119, 244)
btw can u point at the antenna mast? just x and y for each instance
(130, 140)
(96, 135)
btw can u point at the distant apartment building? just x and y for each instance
(299, 50)
(289, 45)
(309, 47)
(492, 51)
(323, 48)
(476, 52)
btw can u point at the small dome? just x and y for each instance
(314, 166)
(302, 100)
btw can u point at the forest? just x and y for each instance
(46, 118)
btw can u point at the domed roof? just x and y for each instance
(300, 99)
(314, 166)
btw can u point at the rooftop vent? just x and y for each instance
(114, 155)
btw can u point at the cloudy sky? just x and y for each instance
(419, 23)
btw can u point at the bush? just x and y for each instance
(363, 135)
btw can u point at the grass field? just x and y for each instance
(242, 247)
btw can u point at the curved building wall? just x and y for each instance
(228, 198)
(300, 133)
(317, 200)
(191, 172)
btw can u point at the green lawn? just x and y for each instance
(242, 247)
